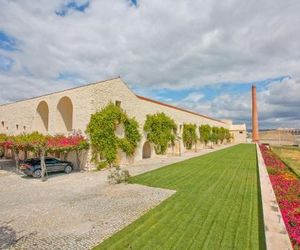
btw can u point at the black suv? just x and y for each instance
(32, 167)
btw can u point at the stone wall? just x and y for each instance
(31, 115)
(239, 136)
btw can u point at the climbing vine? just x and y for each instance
(215, 134)
(189, 135)
(205, 133)
(101, 129)
(160, 131)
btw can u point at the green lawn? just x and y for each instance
(216, 206)
(290, 156)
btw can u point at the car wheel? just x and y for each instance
(37, 173)
(68, 169)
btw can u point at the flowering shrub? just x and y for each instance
(287, 190)
(60, 143)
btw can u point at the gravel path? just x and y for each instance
(75, 211)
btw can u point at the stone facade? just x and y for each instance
(70, 110)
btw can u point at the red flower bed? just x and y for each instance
(286, 186)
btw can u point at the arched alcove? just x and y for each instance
(42, 117)
(146, 150)
(64, 115)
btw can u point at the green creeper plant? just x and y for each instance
(215, 134)
(205, 133)
(222, 133)
(101, 130)
(3, 139)
(160, 131)
(189, 135)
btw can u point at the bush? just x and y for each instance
(118, 175)
(101, 165)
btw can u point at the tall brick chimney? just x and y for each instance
(255, 135)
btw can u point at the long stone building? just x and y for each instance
(67, 111)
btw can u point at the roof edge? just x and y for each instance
(60, 91)
(177, 108)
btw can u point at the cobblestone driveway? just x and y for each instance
(74, 211)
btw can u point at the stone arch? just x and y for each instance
(42, 117)
(146, 150)
(64, 115)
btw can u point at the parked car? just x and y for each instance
(32, 166)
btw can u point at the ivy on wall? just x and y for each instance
(189, 135)
(228, 136)
(215, 134)
(205, 133)
(101, 129)
(160, 131)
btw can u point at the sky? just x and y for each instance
(201, 55)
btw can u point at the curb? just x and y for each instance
(276, 235)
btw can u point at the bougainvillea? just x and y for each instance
(41, 144)
(62, 143)
(286, 186)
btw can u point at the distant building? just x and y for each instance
(280, 136)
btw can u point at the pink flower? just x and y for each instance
(287, 190)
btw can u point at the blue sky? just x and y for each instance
(199, 55)
(7, 42)
(72, 5)
(210, 92)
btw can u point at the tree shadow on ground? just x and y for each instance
(8, 236)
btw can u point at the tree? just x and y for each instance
(205, 133)
(160, 131)
(189, 135)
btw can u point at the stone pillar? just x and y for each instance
(255, 135)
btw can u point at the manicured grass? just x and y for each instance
(216, 206)
(290, 156)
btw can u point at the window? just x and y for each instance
(2, 123)
(50, 161)
(118, 103)
(6, 128)
(24, 127)
(241, 132)
(17, 126)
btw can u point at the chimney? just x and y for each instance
(255, 135)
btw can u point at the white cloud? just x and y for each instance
(173, 44)
(278, 105)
